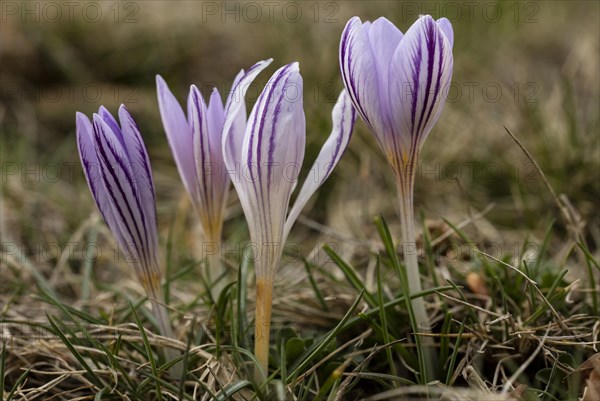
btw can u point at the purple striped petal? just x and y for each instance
(91, 166)
(419, 78)
(272, 153)
(234, 131)
(112, 123)
(359, 73)
(117, 169)
(446, 27)
(219, 176)
(142, 172)
(234, 126)
(237, 121)
(119, 183)
(93, 174)
(384, 38)
(343, 117)
(179, 135)
(210, 186)
(216, 119)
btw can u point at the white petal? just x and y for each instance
(235, 112)
(359, 73)
(419, 79)
(343, 117)
(272, 155)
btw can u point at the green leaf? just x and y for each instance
(316, 349)
(294, 347)
(149, 352)
(351, 275)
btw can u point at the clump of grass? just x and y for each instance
(520, 333)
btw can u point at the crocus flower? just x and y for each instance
(398, 84)
(264, 161)
(195, 141)
(117, 170)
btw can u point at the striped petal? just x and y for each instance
(208, 181)
(119, 182)
(343, 116)
(384, 38)
(117, 169)
(216, 119)
(233, 138)
(142, 173)
(93, 173)
(272, 153)
(234, 127)
(359, 73)
(234, 130)
(446, 27)
(217, 170)
(419, 78)
(179, 136)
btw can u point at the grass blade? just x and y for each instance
(91, 375)
(386, 237)
(383, 317)
(313, 351)
(351, 275)
(314, 286)
(149, 352)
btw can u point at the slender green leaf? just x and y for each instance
(351, 275)
(149, 352)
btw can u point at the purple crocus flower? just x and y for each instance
(118, 173)
(264, 161)
(195, 141)
(398, 84)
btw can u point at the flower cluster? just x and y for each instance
(396, 83)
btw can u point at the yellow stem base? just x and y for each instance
(262, 328)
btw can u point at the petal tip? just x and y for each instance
(195, 91)
(80, 116)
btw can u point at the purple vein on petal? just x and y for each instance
(338, 143)
(416, 57)
(198, 125)
(141, 151)
(347, 76)
(91, 165)
(103, 145)
(143, 182)
(435, 99)
(430, 39)
(263, 103)
(276, 113)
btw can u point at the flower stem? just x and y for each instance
(405, 192)
(162, 315)
(262, 327)
(213, 274)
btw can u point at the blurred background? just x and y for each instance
(532, 67)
